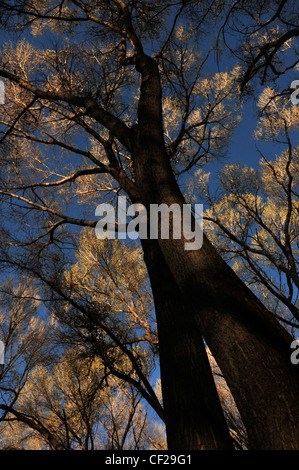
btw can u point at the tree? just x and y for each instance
(28, 344)
(73, 406)
(255, 213)
(104, 304)
(79, 390)
(55, 95)
(262, 36)
(232, 415)
(88, 397)
(79, 410)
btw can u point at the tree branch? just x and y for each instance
(92, 109)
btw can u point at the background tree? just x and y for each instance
(80, 410)
(110, 152)
(68, 385)
(28, 344)
(53, 97)
(232, 415)
(260, 35)
(254, 215)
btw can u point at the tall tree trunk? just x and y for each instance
(252, 351)
(249, 345)
(193, 414)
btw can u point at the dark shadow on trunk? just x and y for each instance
(193, 414)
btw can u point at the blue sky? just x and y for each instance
(243, 145)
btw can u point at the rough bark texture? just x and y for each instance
(250, 347)
(193, 414)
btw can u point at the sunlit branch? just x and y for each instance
(92, 109)
(13, 124)
(268, 51)
(34, 205)
(143, 386)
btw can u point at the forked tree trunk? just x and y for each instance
(250, 347)
(193, 414)
(252, 350)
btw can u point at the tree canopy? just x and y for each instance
(140, 98)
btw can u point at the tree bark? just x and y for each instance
(249, 345)
(193, 415)
(251, 348)
(252, 351)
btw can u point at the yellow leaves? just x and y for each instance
(196, 117)
(172, 113)
(21, 57)
(183, 53)
(278, 114)
(276, 173)
(202, 178)
(254, 220)
(220, 84)
(204, 121)
(181, 33)
(239, 179)
(197, 186)
(280, 179)
(266, 36)
(112, 274)
(65, 389)
(40, 25)
(241, 204)
(90, 188)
